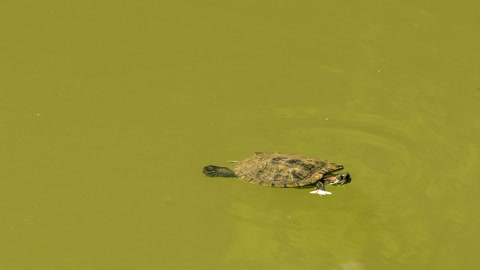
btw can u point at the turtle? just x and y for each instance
(284, 171)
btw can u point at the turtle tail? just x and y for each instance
(217, 171)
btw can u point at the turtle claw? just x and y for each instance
(320, 192)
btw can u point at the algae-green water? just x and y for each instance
(109, 111)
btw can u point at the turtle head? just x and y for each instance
(337, 179)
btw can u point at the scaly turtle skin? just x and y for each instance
(284, 170)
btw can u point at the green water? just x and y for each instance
(109, 111)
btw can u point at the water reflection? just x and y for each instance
(404, 163)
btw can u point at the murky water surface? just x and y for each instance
(109, 111)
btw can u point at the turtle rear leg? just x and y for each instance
(217, 171)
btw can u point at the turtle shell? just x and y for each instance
(283, 170)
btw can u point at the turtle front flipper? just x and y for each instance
(320, 189)
(217, 171)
